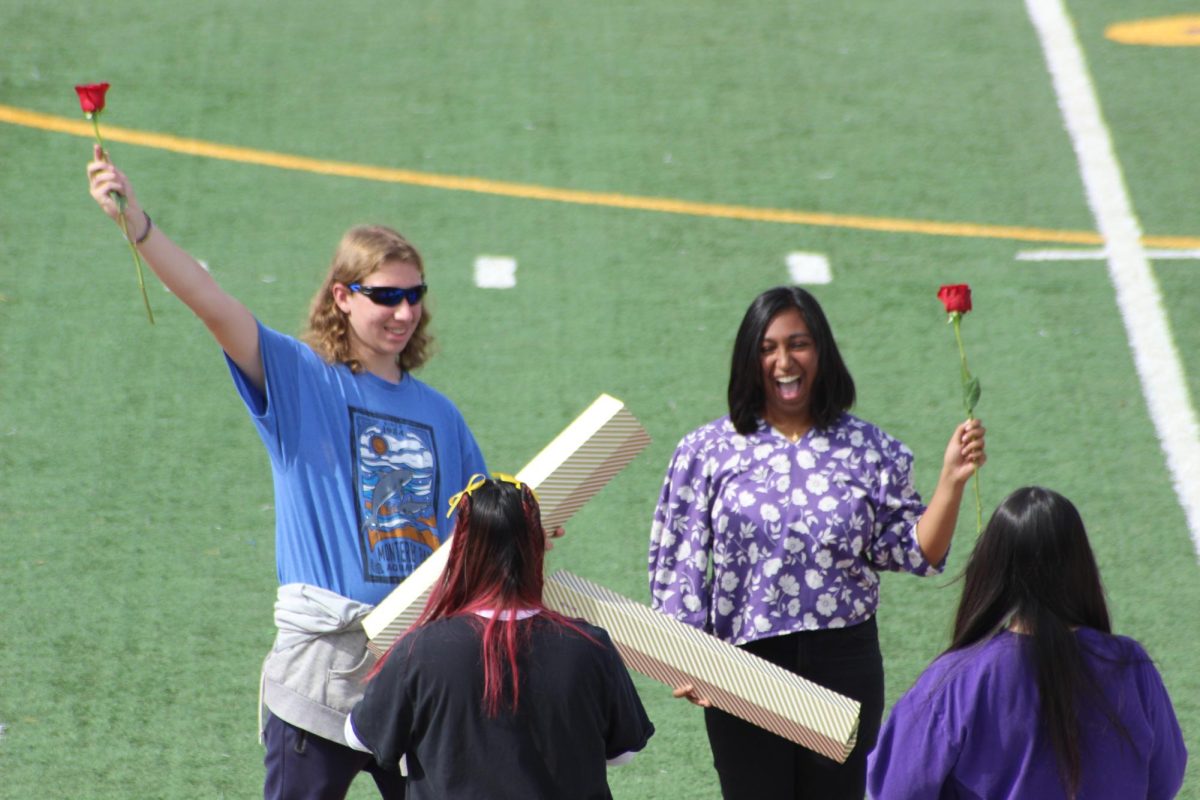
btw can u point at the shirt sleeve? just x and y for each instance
(681, 539)
(915, 752)
(275, 409)
(255, 400)
(382, 721)
(1168, 754)
(898, 508)
(629, 728)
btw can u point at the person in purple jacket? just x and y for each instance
(772, 526)
(1036, 696)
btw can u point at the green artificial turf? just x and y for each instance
(136, 522)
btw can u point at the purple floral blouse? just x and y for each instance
(795, 531)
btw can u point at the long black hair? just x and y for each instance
(1033, 567)
(833, 390)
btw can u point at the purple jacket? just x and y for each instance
(969, 728)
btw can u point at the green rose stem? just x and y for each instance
(970, 398)
(120, 201)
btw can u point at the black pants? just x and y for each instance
(754, 764)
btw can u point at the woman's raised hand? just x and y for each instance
(966, 451)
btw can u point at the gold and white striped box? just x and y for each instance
(749, 687)
(567, 473)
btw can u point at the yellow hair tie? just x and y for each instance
(477, 480)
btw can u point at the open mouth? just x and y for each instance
(789, 387)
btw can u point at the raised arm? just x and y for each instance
(231, 323)
(964, 454)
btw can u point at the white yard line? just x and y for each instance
(1102, 255)
(1138, 296)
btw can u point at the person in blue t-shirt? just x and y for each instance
(362, 456)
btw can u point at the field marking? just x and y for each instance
(1138, 296)
(809, 268)
(496, 272)
(1177, 31)
(665, 205)
(1102, 255)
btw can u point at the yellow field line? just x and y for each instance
(196, 147)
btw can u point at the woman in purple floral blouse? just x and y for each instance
(773, 524)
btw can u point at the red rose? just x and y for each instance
(91, 97)
(956, 298)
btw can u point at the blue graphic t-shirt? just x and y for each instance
(363, 468)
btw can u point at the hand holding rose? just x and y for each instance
(114, 193)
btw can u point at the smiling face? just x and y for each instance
(378, 334)
(788, 356)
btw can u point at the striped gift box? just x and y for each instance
(567, 473)
(582, 459)
(667, 650)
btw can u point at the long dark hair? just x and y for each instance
(1033, 566)
(495, 564)
(833, 391)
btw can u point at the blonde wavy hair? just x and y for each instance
(363, 250)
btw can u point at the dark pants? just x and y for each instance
(304, 766)
(754, 764)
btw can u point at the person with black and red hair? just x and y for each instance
(491, 694)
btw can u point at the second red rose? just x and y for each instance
(956, 297)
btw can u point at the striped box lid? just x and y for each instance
(749, 687)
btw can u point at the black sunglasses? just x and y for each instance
(391, 295)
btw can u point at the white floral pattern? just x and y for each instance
(795, 531)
